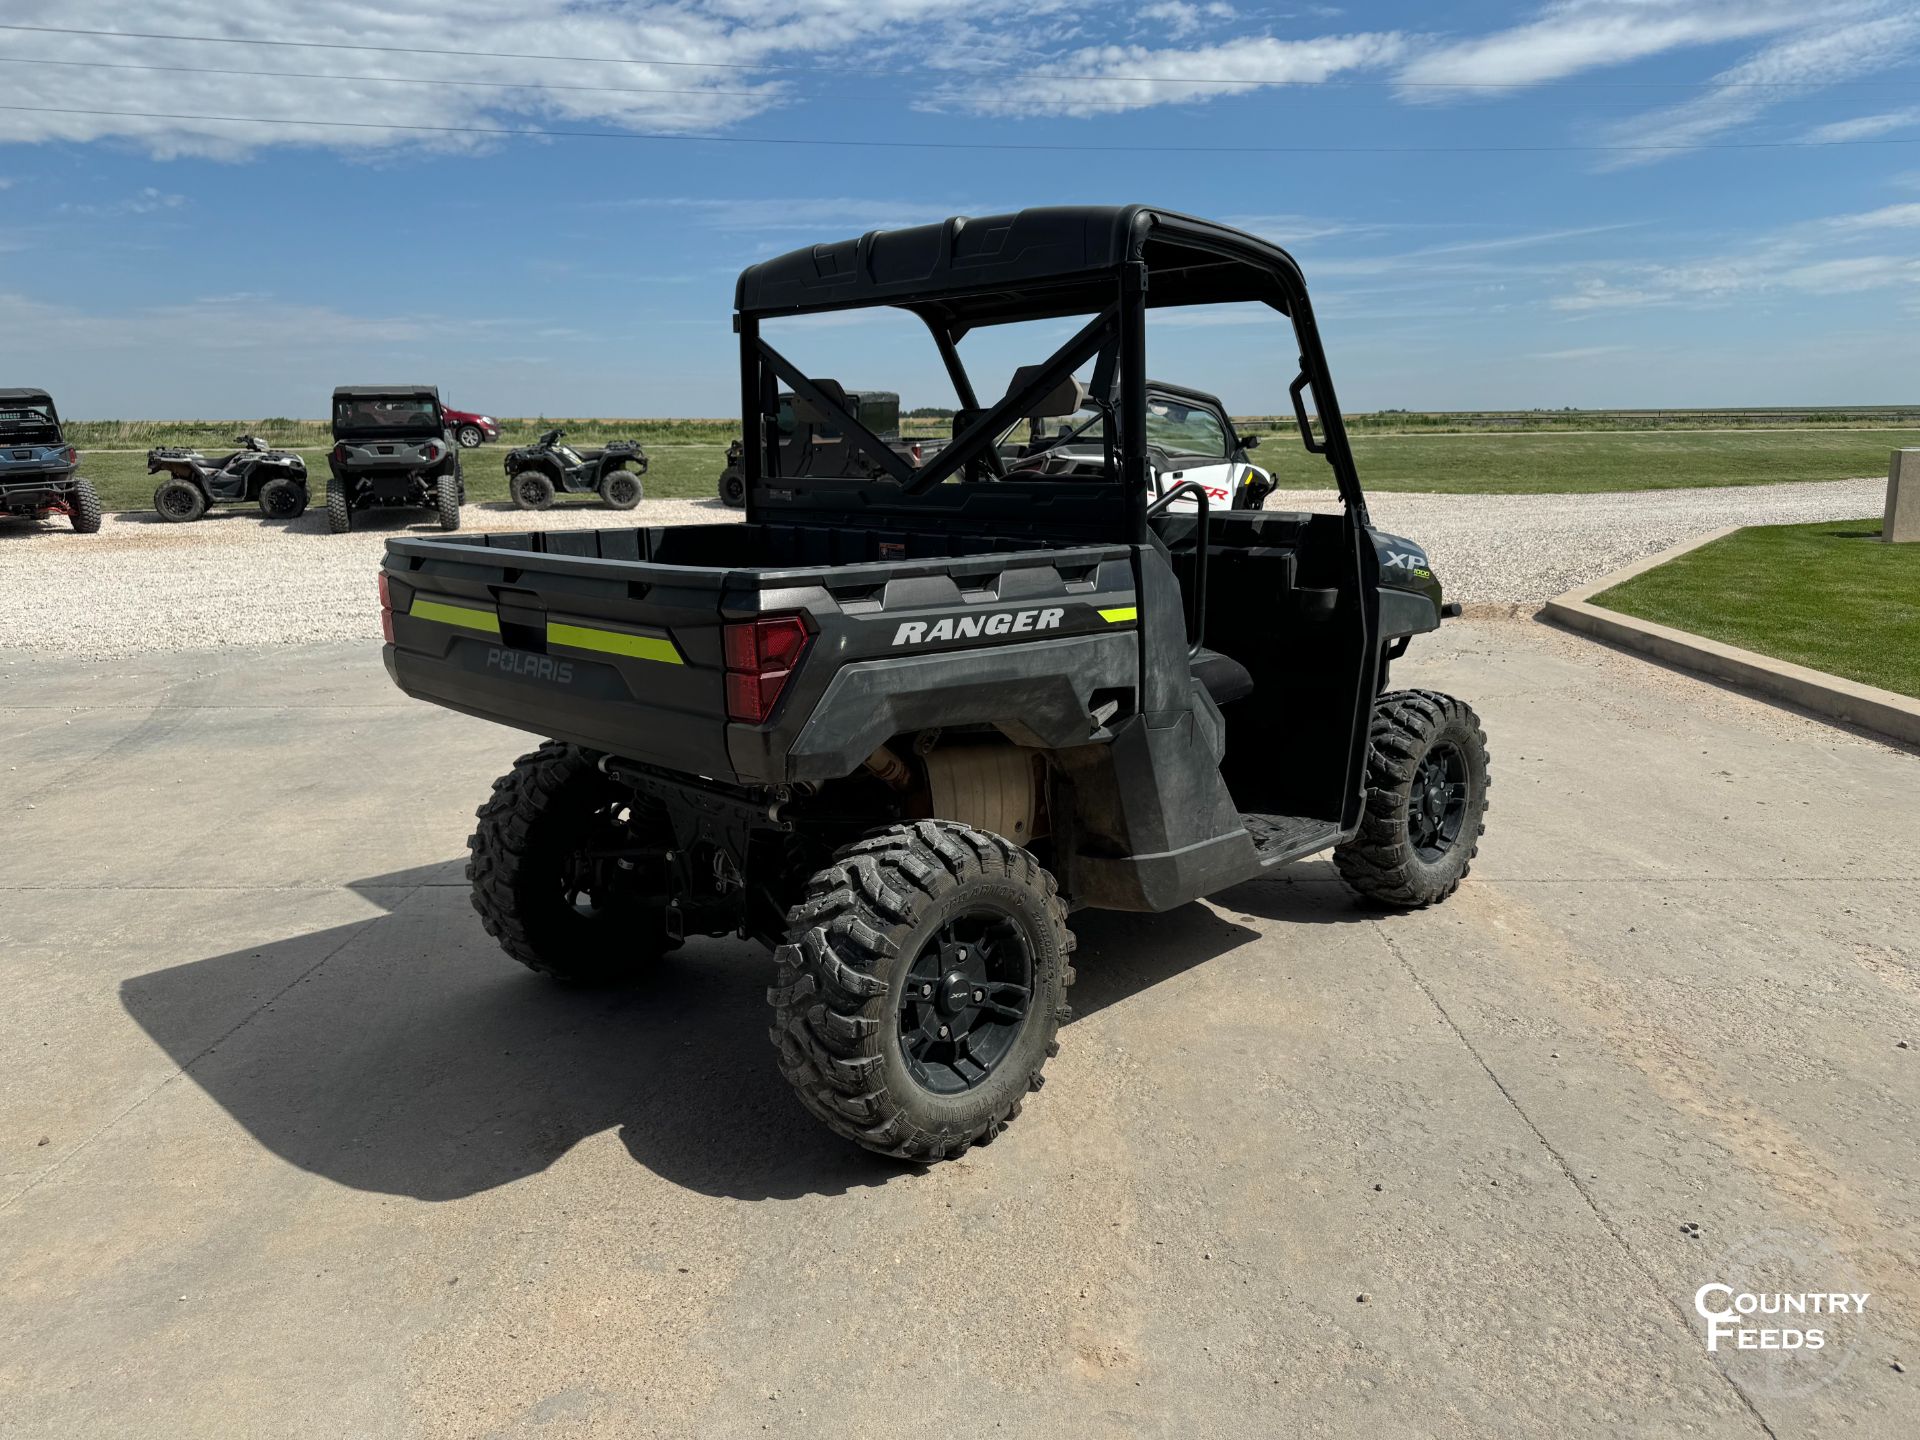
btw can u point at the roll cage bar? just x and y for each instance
(1112, 263)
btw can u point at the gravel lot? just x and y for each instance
(142, 585)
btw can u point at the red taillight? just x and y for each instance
(73, 456)
(761, 656)
(340, 452)
(386, 609)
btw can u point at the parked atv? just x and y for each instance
(536, 472)
(38, 478)
(805, 433)
(392, 448)
(275, 480)
(899, 729)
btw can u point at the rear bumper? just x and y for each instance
(20, 492)
(615, 705)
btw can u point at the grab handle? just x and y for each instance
(1197, 621)
(1317, 447)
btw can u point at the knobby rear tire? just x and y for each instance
(446, 501)
(83, 508)
(838, 985)
(178, 501)
(339, 513)
(536, 817)
(620, 489)
(282, 499)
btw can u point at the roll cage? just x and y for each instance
(1109, 263)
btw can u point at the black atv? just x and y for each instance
(536, 472)
(900, 728)
(275, 480)
(392, 448)
(38, 468)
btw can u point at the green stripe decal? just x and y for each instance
(465, 616)
(613, 642)
(1121, 615)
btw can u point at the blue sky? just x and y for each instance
(1679, 230)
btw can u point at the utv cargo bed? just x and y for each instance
(614, 639)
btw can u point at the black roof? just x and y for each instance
(384, 392)
(25, 397)
(1030, 265)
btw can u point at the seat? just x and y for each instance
(1223, 677)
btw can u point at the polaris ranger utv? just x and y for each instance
(392, 448)
(898, 728)
(37, 465)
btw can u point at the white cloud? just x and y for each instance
(1864, 127)
(1122, 77)
(1572, 36)
(1181, 18)
(1887, 217)
(632, 44)
(147, 201)
(815, 216)
(1580, 352)
(1783, 70)
(1796, 258)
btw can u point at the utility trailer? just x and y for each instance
(898, 725)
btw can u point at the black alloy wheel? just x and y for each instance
(964, 1001)
(1437, 803)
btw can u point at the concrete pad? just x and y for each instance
(322, 1161)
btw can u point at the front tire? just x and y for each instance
(534, 885)
(446, 501)
(733, 488)
(532, 489)
(83, 508)
(469, 437)
(925, 975)
(620, 489)
(1426, 801)
(179, 501)
(339, 513)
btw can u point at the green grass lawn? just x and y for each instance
(1828, 596)
(688, 456)
(123, 482)
(1626, 460)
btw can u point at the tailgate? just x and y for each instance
(567, 634)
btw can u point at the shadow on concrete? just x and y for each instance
(404, 1054)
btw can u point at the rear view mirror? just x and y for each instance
(1249, 442)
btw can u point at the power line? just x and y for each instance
(535, 132)
(1244, 80)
